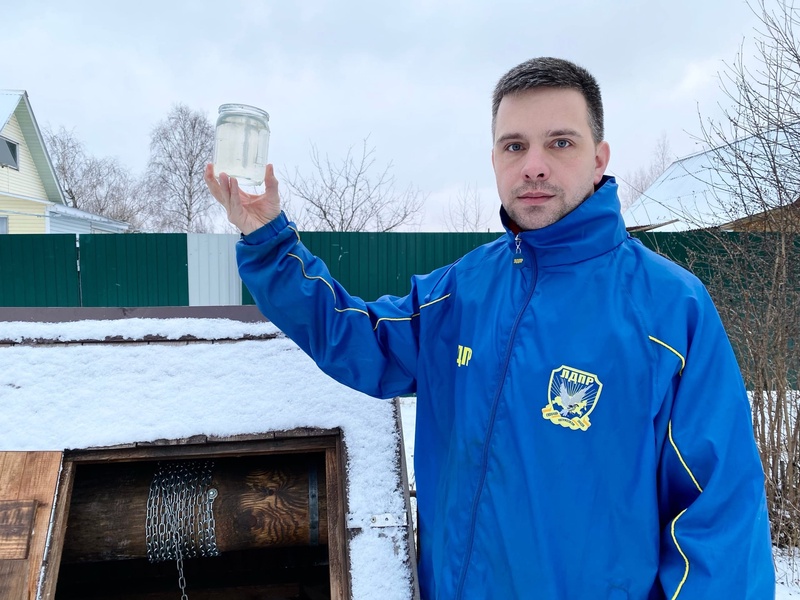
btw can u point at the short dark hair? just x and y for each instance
(553, 73)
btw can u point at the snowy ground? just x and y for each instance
(787, 568)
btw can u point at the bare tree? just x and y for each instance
(113, 192)
(751, 252)
(69, 159)
(101, 186)
(466, 212)
(635, 184)
(351, 195)
(180, 147)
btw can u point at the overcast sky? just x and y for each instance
(414, 76)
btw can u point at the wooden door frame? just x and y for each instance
(308, 440)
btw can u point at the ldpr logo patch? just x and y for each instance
(572, 397)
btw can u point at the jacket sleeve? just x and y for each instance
(369, 346)
(715, 538)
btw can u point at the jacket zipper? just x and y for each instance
(490, 430)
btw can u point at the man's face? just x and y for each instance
(545, 160)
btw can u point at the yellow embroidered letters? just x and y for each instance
(464, 356)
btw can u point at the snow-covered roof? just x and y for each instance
(74, 396)
(16, 102)
(679, 191)
(695, 192)
(100, 221)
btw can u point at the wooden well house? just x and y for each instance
(208, 458)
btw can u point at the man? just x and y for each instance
(582, 427)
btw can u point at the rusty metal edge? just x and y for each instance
(244, 313)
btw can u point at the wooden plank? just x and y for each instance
(16, 526)
(39, 482)
(12, 464)
(52, 558)
(29, 476)
(338, 559)
(343, 461)
(13, 573)
(410, 537)
(211, 450)
(14, 579)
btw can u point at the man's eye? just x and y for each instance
(515, 147)
(562, 144)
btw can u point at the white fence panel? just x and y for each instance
(213, 276)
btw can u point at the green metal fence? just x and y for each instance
(370, 265)
(39, 270)
(687, 248)
(134, 270)
(151, 269)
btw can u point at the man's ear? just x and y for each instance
(601, 158)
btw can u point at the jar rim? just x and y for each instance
(245, 108)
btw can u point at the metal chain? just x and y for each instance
(180, 516)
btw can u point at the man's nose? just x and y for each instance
(535, 166)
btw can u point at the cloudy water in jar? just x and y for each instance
(241, 143)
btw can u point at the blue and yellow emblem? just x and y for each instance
(572, 397)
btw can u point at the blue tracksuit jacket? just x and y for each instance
(583, 431)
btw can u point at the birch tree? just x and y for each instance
(180, 147)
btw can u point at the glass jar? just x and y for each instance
(241, 143)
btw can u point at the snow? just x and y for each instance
(55, 397)
(134, 329)
(71, 396)
(787, 572)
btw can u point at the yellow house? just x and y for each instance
(31, 199)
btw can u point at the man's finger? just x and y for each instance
(269, 177)
(236, 195)
(214, 186)
(270, 183)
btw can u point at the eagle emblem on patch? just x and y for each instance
(572, 396)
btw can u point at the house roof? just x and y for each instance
(16, 102)
(105, 222)
(695, 191)
(9, 100)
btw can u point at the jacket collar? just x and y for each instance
(593, 228)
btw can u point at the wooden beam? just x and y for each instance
(52, 558)
(411, 538)
(300, 440)
(338, 559)
(262, 502)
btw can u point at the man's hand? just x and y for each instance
(247, 211)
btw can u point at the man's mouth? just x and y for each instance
(535, 197)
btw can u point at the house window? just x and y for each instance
(3, 225)
(9, 152)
